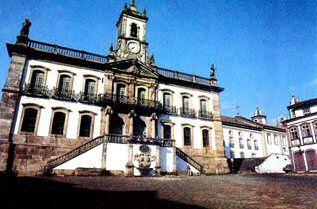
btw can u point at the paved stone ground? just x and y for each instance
(228, 191)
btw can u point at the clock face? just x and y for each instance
(134, 47)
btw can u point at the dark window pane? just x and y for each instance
(58, 123)
(205, 134)
(29, 120)
(37, 79)
(89, 87)
(187, 136)
(167, 132)
(134, 30)
(64, 83)
(85, 125)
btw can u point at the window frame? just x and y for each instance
(191, 135)
(63, 110)
(92, 125)
(34, 68)
(71, 82)
(90, 77)
(38, 116)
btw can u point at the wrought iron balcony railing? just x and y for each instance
(186, 112)
(170, 110)
(205, 114)
(98, 99)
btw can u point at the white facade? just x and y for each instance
(302, 134)
(242, 142)
(248, 139)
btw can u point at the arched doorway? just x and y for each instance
(311, 159)
(139, 127)
(116, 125)
(299, 161)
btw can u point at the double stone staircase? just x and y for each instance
(123, 139)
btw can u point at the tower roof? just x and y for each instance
(258, 112)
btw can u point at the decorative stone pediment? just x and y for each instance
(133, 67)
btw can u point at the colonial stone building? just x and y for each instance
(245, 138)
(66, 110)
(302, 134)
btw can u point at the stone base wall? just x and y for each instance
(31, 153)
(214, 162)
(4, 150)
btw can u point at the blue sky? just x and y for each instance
(264, 50)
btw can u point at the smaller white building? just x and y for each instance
(244, 138)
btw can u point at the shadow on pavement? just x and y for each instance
(40, 193)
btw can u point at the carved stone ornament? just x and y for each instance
(26, 28)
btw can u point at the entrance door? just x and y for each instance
(299, 161)
(311, 159)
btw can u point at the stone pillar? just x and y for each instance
(153, 125)
(10, 96)
(152, 92)
(108, 111)
(129, 166)
(158, 161)
(109, 83)
(131, 116)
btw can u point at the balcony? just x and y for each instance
(97, 99)
(308, 140)
(186, 112)
(205, 114)
(170, 110)
(295, 142)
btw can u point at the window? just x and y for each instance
(134, 30)
(167, 132)
(37, 80)
(141, 94)
(29, 120)
(256, 145)
(85, 129)
(58, 123)
(187, 136)
(205, 134)
(241, 144)
(231, 142)
(306, 130)
(90, 86)
(203, 106)
(241, 154)
(294, 133)
(167, 99)
(253, 155)
(64, 83)
(275, 139)
(306, 110)
(269, 138)
(186, 104)
(120, 90)
(249, 144)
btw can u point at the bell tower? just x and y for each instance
(131, 38)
